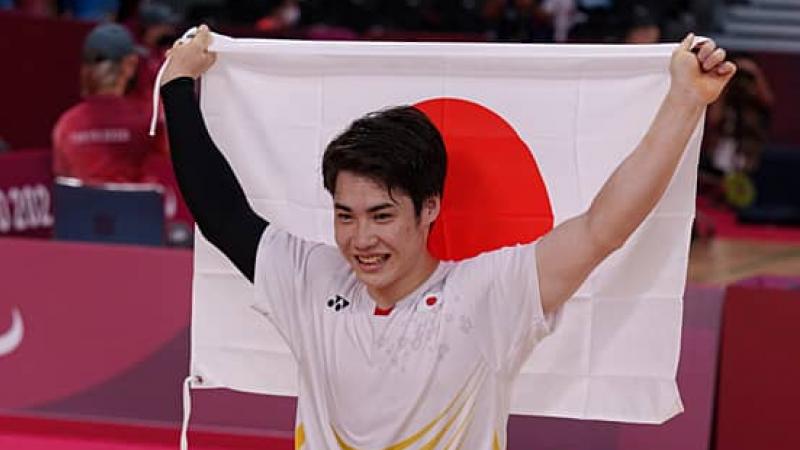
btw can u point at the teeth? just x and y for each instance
(369, 259)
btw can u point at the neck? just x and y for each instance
(388, 296)
(115, 89)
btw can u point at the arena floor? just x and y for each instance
(724, 261)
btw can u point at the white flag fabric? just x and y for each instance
(272, 106)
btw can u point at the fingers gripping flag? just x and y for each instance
(532, 132)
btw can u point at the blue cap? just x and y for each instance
(108, 41)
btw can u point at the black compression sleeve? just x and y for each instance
(207, 182)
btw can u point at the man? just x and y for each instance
(395, 348)
(104, 138)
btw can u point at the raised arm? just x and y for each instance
(573, 249)
(206, 180)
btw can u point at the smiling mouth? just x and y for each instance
(371, 263)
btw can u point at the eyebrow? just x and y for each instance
(371, 209)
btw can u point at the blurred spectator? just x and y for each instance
(104, 137)
(157, 31)
(565, 15)
(281, 18)
(674, 18)
(737, 124)
(157, 22)
(736, 134)
(677, 18)
(594, 22)
(641, 27)
(91, 10)
(518, 20)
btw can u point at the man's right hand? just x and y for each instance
(190, 59)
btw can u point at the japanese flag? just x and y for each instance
(532, 132)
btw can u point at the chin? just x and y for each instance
(374, 281)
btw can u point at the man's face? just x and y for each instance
(380, 235)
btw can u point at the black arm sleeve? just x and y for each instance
(207, 182)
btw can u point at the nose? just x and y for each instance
(364, 237)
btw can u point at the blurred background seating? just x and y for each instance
(122, 213)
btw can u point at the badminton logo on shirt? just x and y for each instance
(338, 303)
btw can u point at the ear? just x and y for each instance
(431, 207)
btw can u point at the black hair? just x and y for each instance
(398, 147)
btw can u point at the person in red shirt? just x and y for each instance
(104, 138)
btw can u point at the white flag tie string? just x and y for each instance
(187, 36)
(187, 410)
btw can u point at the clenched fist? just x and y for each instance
(189, 59)
(699, 74)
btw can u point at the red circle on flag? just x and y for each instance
(430, 301)
(494, 195)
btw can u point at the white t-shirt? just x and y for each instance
(435, 373)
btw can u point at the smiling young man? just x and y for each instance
(396, 349)
(386, 175)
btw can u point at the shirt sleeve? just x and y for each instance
(206, 180)
(286, 269)
(502, 291)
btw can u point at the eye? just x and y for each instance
(383, 217)
(344, 218)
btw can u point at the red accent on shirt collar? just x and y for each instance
(383, 311)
